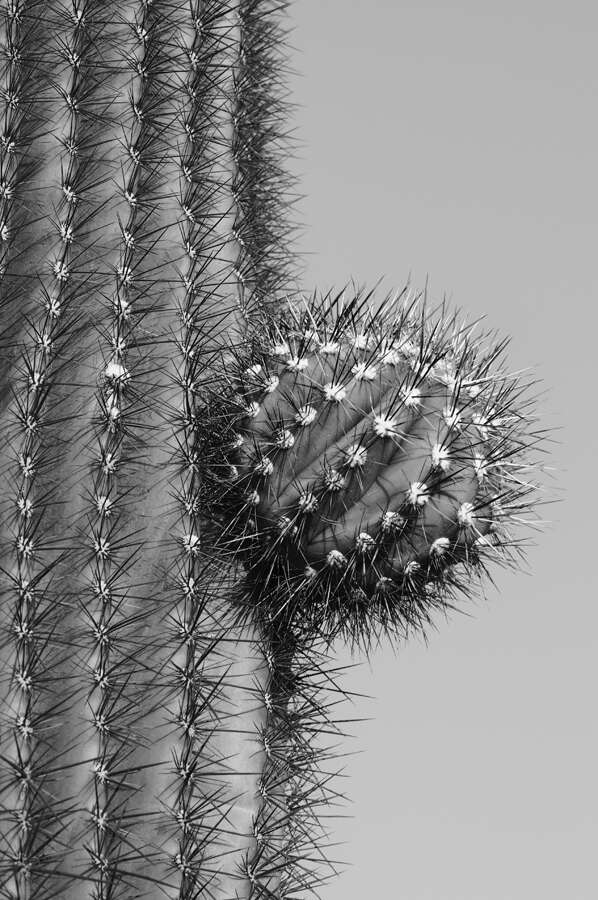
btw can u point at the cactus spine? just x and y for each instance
(176, 554)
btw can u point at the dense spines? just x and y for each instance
(133, 209)
(12, 114)
(110, 632)
(38, 421)
(208, 281)
(202, 198)
(267, 860)
(176, 271)
(192, 218)
(373, 454)
(23, 119)
(109, 613)
(163, 716)
(368, 465)
(287, 856)
(262, 185)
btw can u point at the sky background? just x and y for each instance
(458, 142)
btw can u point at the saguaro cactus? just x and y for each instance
(204, 480)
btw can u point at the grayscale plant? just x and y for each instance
(206, 477)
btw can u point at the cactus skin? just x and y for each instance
(162, 715)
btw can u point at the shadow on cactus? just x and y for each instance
(372, 460)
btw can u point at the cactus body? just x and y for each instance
(200, 478)
(141, 200)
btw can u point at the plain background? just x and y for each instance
(458, 141)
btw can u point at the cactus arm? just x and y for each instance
(287, 854)
(238, 757)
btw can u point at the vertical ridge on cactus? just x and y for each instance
(200, 218)
(262, 185)
(139, 304)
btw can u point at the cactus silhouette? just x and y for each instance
(204, 479)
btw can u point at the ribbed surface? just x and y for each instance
(141, 227)
(202, 482)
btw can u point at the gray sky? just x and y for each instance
(459, 141)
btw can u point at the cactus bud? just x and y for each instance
(392, 447)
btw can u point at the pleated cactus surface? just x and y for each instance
(141, 216)
(203, 479)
